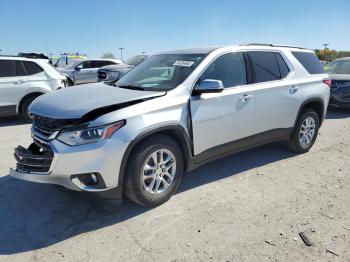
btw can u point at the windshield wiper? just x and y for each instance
(132, 87)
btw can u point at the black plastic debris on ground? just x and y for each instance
(305, 239)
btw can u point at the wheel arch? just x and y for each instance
(177, 132)
(316, 104)
(24, 98)
(69, 79)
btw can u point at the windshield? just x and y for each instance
(135, 60)
(68, 62)
(161, 72)
(338, 67)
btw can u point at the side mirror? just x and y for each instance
(210, 86)
(78, 67)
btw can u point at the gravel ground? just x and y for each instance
(249, 206)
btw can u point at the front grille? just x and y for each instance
(102, 75)
(34, 159)
(51, 124)
(43, 135)
(45, 128)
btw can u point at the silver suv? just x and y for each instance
(83, 72)
(170, 114)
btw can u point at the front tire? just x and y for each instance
(305, 131)
(24, 109)
(154, 171)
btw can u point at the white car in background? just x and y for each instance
(22, 80)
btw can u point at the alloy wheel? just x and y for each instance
(158, 171)
(307, 132)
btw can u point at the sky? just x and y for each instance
(95, 27)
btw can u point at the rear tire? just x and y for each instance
(305, 131)
(24, 109)
(154, 171)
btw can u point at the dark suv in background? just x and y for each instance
(114, 72)
(339, 71)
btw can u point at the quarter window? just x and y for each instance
(7, 68)
(265, 66)
(229, 68)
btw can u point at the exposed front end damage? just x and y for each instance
(91, 168)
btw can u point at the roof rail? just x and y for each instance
(264, 44)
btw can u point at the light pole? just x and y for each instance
(121, 52)
(325, 51)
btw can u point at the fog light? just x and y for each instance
(94, 179)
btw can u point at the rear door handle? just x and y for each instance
(293, 89)
(245, 97)
(19, 82)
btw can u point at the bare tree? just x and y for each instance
(107, 55)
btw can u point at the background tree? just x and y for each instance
(108, 55)
(327, 54)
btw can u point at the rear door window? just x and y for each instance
(97, 64)
(265, 66)
(86, 65)
(32, 68)
(7, 68)
(20, 70)
(310, 62)
(284, 70)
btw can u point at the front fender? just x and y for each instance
(31, 91)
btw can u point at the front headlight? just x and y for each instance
(89, 135)
(115, 74)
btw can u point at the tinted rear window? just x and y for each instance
(310, 62)
(7, 68)
(265, 66)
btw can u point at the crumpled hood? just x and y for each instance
(76, 101)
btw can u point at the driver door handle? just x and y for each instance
(245, 97)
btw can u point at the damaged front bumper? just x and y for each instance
(90, 168)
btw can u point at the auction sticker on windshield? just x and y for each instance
(183, 63)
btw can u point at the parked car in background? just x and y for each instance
(324, 62)
(339, 71)
(86, 71)
(22, 80)
(65, 60)
(114, 72)
(174, 112)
